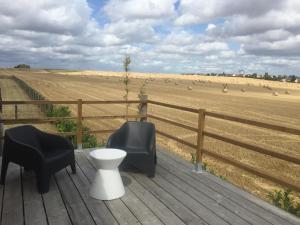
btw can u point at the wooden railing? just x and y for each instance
(199, 129)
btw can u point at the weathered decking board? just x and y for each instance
(176, 196)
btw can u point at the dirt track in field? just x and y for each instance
(257, 102)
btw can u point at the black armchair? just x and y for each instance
(138, 140)
(36, 150)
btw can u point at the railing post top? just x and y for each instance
(201, 110)
(144, 98)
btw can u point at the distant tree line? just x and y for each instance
(266, 76)
(22, 66)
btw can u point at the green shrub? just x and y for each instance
(61, 111)
(284, 200)
(88, 140)
(65, 125)
(22, 66)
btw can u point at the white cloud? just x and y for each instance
(253, 35)
(57, 16)
(137, 9)
(203, 11)
(210, 27)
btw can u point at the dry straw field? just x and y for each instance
(266, 101)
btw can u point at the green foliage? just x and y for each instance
(193, 158)
(212, 171)
(62, 111)
(64, 125)
(284, 200)
(22, 66)
(126, 63)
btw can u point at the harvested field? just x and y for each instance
(11, 91)
(256, 101)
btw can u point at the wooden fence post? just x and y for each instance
(16, 111)
(79, 124)
(200, 141)
(143, 107)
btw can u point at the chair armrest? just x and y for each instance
(18, 151)
(52, 141)
(117, 139)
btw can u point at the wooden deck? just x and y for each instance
(176, 196)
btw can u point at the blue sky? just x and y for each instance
(169, 36)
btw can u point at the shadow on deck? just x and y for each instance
(175, 196)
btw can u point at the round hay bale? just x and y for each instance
(287, 92)
(275, 93)
(190, 88)
(225, 90)
(243, 90)
(147, 81)
(176, 83)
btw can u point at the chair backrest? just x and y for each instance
(26, 134)
(139, 133)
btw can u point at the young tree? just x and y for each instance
(126, 64)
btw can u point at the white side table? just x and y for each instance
(107, 184)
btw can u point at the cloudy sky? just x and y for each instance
(165, 36)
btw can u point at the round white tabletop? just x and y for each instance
(107, 184)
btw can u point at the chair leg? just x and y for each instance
(151, 172)
(73, 167)
(42, 182)
(5, 163)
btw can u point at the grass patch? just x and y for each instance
(285, 201)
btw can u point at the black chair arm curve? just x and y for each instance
(53, 141)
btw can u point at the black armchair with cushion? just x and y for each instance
(35, 150)
(138, 140)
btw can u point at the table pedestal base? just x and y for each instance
(107, 185)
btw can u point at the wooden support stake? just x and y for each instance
(200, 141)
(0, 101)
(79, 123)
(1, 126)
(143, 107)
(1, 136)
(16, 111)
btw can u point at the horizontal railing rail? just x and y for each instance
(70, 102)
(254, 123)
(199, 130)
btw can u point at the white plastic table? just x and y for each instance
(107, 184)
